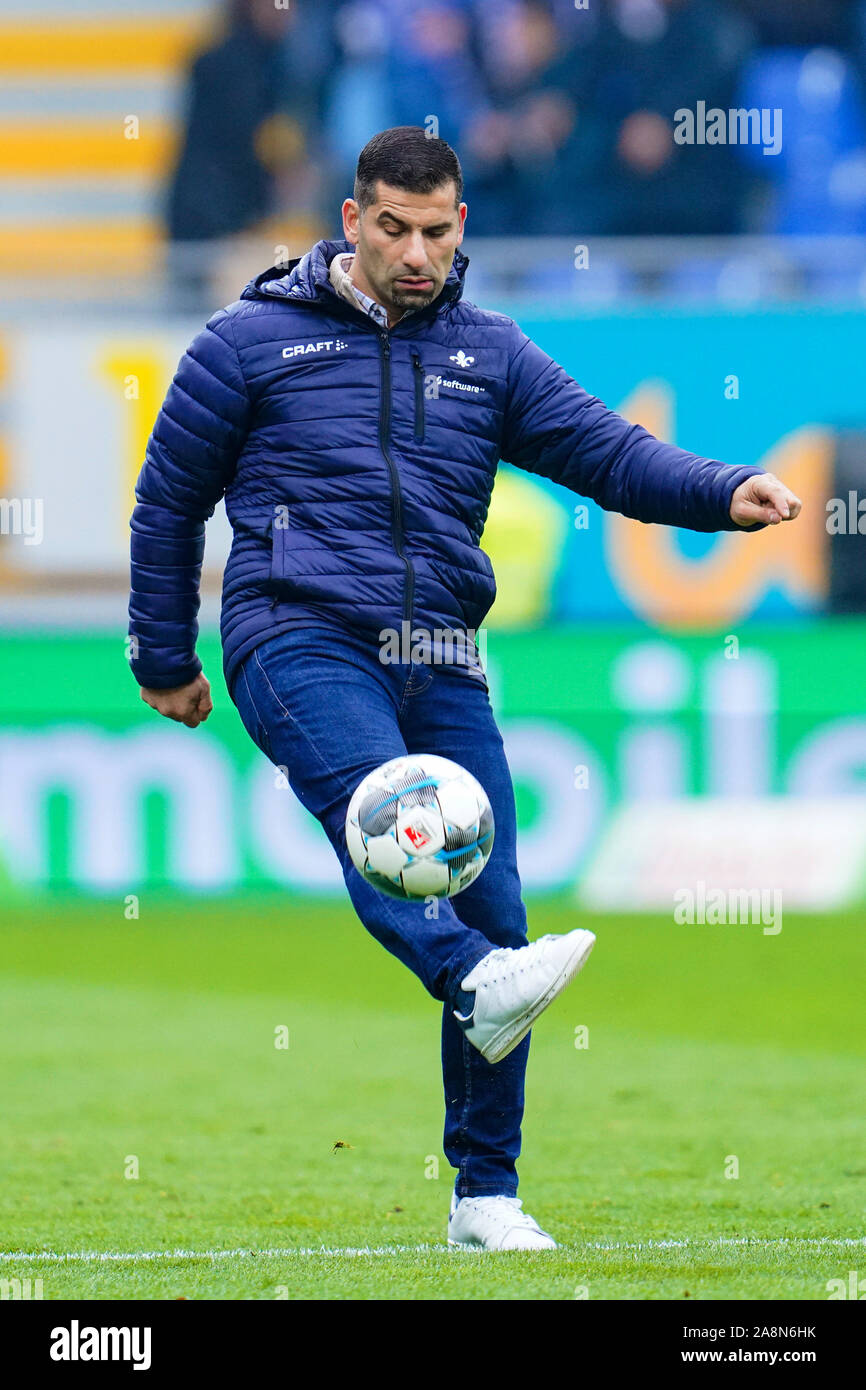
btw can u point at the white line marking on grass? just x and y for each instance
(129, 1256)
(717, 1241)
(351, 1252)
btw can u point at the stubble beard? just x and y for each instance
(412, 299)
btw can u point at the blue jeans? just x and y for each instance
(320, 703)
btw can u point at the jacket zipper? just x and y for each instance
(396, 494)
(418, 372)
(397, 535)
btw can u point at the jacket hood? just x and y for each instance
(308, 277)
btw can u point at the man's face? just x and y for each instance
(405, 244)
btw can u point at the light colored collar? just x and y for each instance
(348, 290)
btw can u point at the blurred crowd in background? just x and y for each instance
(563, 116)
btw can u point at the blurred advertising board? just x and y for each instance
(78, 406)
(100, 795)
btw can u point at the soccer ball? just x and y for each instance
(420, 826)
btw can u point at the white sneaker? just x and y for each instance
(513, 985)
(495, 1223)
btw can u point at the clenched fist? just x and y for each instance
(187, 704)
(764, 498)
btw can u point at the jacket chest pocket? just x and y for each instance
(280, 544)
(418, 380)
(300, 559)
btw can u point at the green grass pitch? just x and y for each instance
(148, 1046)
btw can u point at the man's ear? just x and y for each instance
(461, 213)
(351, 220)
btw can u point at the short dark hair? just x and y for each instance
(406, 157)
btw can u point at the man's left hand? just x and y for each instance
(764, 498)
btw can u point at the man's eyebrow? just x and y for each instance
(392, 217)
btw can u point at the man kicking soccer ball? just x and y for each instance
(352, 410)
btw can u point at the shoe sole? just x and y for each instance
(487, 1250)
(513, 1033)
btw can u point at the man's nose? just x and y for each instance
(415, 252)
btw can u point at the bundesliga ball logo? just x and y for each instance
(420, 826)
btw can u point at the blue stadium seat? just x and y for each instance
(739, 279)
(823, 127)
(600, 283)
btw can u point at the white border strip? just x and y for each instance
(351, 1252)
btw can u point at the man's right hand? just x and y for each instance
(187, 704)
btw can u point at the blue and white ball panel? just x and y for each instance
(420, 826)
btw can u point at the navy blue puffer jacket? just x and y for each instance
(357, 466)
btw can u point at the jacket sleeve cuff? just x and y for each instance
(730, 485)
(153, 679)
